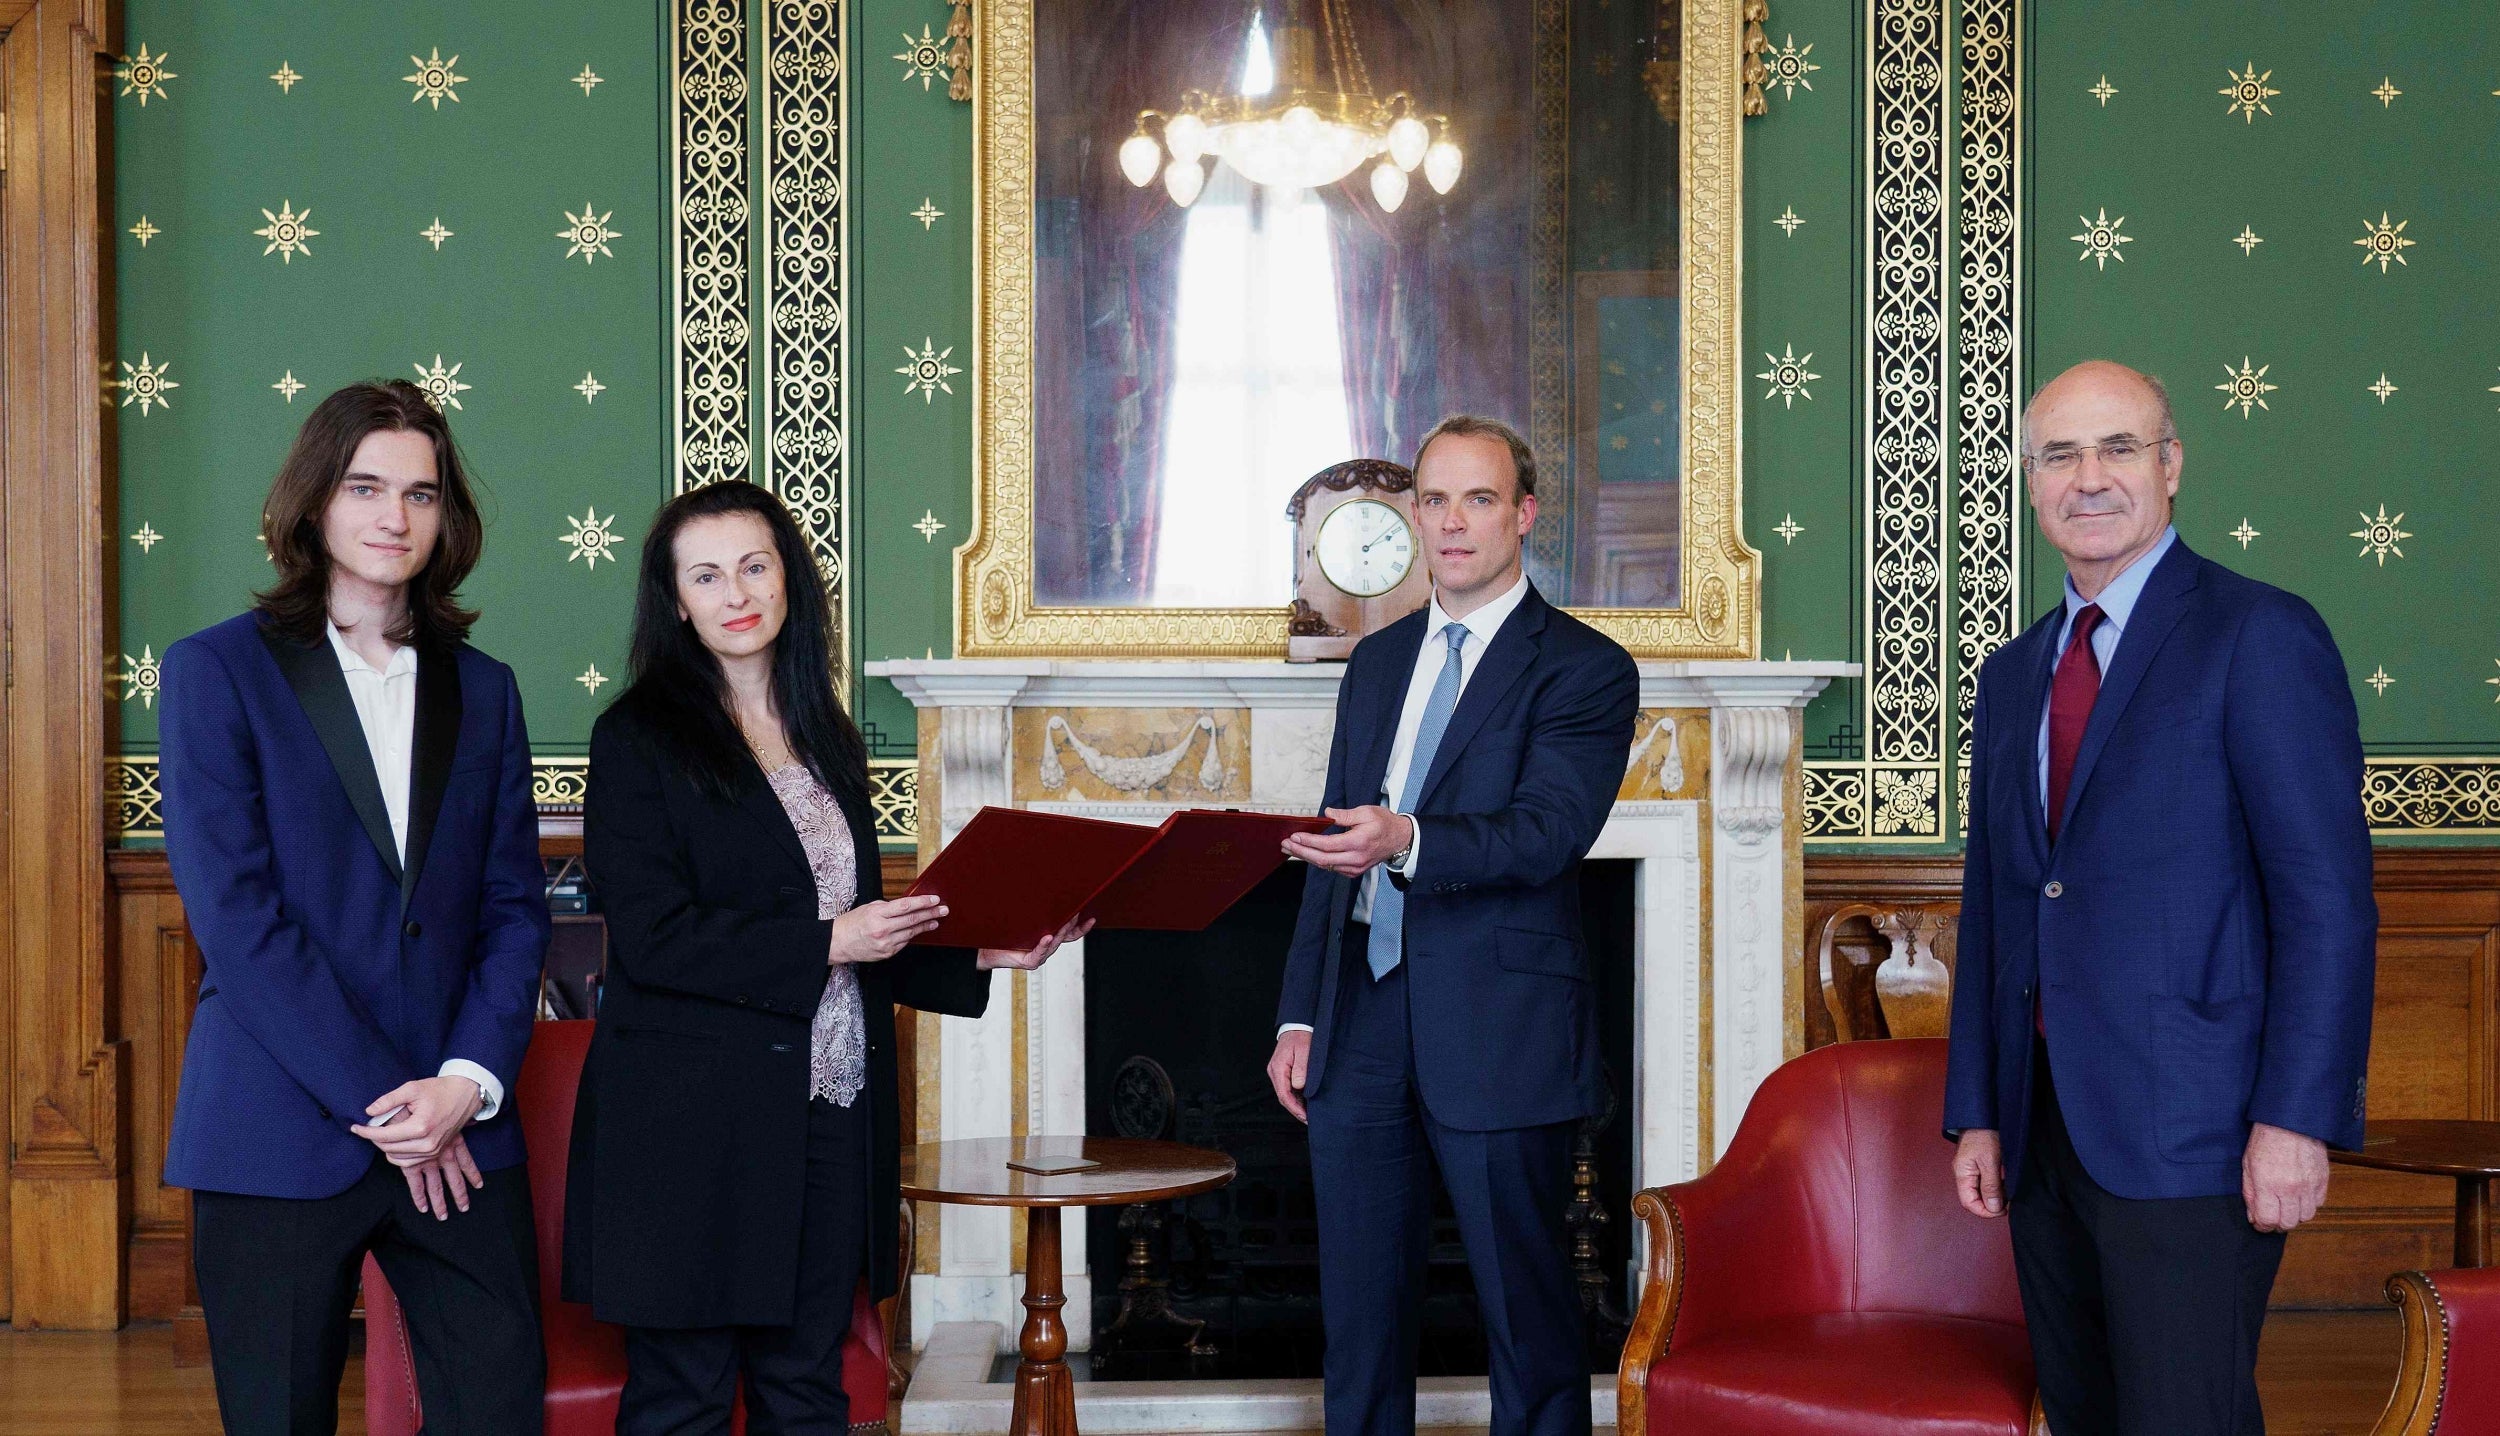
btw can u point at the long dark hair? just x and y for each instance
(298, 604)
(677, 685)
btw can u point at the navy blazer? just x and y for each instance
(2202, 935)
(330, 974)
(1503, 1002)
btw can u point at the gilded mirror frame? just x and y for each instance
(997, 614)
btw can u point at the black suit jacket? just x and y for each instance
(690, 1136)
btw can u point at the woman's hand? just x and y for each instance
(994, 958)
(873, 932)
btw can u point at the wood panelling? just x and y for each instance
(2432, 1050)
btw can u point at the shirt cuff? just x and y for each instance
(1414, 850)
(1286, 1027)
(487, 1086)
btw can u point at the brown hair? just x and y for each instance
(1476, 426)
(298, 604)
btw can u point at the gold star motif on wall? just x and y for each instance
(1788, 222)
(442, 386)
(2248, 93)
(2100, 240)
(138, 678)
(286, 77)
(2247, 239)
(2382, 242)
(435, 233)
(288, 385)
(287, 231)
(434, 79)
(588, 236)
(147, 538)
(143, 75)
(2386, 92)
(1788, 528)
(2246, 388)
(928, 214)
(928, 526)
(926, 370)
(924, 58)
(2380, 536)
(1787, 376)
(2382, 388)
(590, 388)
(591, 679)
(591, 538)
(1789, 68)
(2379, 681)
(586, 80)
(2103, 91)
(2246, 533)
(144, 384)
(2494, 682)
(144, 231)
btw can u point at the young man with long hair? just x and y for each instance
(348, 816)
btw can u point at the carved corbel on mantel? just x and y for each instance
(1749, 771)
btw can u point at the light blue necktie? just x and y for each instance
(1389, 900)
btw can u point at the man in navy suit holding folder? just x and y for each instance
(2162, 1009)
(1438, 1005)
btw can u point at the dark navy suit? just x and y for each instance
(332, 973)
(2198, 941)
(1478, 1052)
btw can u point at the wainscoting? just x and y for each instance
(2432, 1052)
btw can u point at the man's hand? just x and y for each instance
(2282, 1178)
(454, 1169)
(1372, 835)
(1979, 1172)
(1285, 1069)
(438, 1107)
(994, 958)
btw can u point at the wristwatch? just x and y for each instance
(1399, 858)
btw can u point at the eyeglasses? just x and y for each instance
(2124, 454)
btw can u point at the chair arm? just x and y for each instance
(2451, 1340)
(2422, 1372)
(1653, 1323)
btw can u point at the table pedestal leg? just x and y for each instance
(1045, 1391)
(2473, 1221)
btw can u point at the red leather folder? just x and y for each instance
(1013, 877)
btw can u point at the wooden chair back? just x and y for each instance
(1887, 969)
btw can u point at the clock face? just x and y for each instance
(1365, 547)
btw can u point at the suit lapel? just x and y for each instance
(2039, 675)
(1514, 647)
(1405, 639)
(437, 744)
(312, 670)
(2157, 610)
(758, 801)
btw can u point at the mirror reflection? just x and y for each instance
(1273, 235)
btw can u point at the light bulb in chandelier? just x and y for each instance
(1442, 164)
(1185, 134)
(1408, 139)
(1140, 157)
(1388, 185)
(1183, 180)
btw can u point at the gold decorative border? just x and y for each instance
(894, 801)
(2417, 797)
(708, 250)
(559, 785)
(996, 614)
(1987, 497)
(134, 798)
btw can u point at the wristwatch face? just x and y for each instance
(1365, 547)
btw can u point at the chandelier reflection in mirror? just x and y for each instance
(1291, 128)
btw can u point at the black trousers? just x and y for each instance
(2144, 1315)
(682, 1381)
(278, 1276)
(1374, 1146)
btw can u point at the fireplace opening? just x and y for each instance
(1179, 1028)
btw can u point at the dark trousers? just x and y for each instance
(681, 1381)
(1373, 1149)
(2144, 1314)
(279, 1274)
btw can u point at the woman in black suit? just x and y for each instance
(734, 1155)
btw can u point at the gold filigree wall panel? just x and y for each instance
(1132, 755)
(708, 256)
(996, 612)
(1987, 497)
(894, 801)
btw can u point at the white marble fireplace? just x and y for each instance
(1709, 811)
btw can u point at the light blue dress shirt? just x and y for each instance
(2117, 603)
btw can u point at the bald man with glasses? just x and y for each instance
(2162, 1013)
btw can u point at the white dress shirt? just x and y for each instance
(1480, 626)
(2117, 602)
(386, 708)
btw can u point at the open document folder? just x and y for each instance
(1013, 877)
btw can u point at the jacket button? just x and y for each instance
(414, 928)
(742, 1002)
(2054, 889)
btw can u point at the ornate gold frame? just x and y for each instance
(996, 614)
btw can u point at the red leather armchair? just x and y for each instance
(1822, 1280)
(2449, 1381)
(585, 1357)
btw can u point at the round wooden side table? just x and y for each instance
(974, 1172)
(2467, 1151)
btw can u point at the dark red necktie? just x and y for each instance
(2070, 709)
